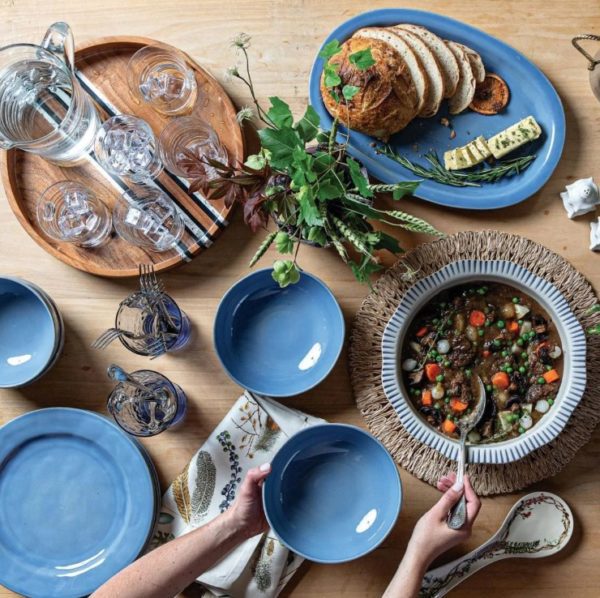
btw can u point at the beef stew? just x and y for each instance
(488, 329)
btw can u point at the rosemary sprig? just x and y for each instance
(437, 172)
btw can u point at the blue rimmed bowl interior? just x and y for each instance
(278, 342)
(29, 333)
(334, 493)
(548, 296)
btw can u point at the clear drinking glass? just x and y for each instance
(70, 212)
(187, 135)
(163, 79)
(147, 413)
(152, 327)
(126, 146)
(148, 218)
(43, 109)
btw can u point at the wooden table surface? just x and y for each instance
(286, 36)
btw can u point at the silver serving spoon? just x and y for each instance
(458, 514)
(538, 525)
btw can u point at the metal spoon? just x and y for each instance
(118, 374)
(458, 514)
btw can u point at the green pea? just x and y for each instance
(522, 369)
(437, 406)
(480, 332)
(439, 359)
(488, 387)
(520, 322)
(436, 320)
(541, 380)
(550, 401)
(487, 323)
(521, 430)
(433, 352)
(509, 370)
(548, 368)
(468, 372)
(481, 291)
(497, 342)
(447, 364)
(439, 378)
(524, 357)
(449, 321)
(520, 342)
(504, 353)
(515, 300)
(500, 324)
(446, 400)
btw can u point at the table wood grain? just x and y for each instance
(286, 36)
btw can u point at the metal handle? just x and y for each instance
(458, 513)
(59, 40)
(588, 36)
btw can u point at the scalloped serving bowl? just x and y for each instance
(548, 296)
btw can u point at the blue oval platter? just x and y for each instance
(77, 502)
(530, 93)
(333, 494)
(278, 342)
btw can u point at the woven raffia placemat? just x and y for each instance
(365, 358)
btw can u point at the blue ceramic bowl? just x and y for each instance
(278, 342)
(334, 493)
(29, 333)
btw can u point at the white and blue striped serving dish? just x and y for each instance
(548, 296)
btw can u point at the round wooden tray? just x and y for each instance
(101, 70)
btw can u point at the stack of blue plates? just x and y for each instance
(78, 502)
(32, 332)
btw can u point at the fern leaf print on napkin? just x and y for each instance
(204, 488)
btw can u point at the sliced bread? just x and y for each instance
(475, 61)
(415, 68)
(466, 85)
(446, 59)
(432, 70)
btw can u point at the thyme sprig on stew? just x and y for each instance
(436, 171)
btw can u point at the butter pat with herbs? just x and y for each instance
(469, 155)
(515, 136)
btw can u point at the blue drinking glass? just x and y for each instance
(147, 404)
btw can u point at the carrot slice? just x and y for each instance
(457, 405)
(551, 376)
(432, 370)
(501, 380)
(448, 426)
(426, 398)
(512, 326)
(477, 318)
(421, 332)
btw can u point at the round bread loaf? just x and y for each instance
(386, 100)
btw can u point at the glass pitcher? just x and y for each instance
(43, 109)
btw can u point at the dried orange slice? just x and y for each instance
(491, 95)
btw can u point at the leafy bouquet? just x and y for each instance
(304, 180)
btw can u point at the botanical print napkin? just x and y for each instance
(249, 435)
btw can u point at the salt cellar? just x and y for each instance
(580, 197)
(595, 235)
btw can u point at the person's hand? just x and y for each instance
(432, 536)
(246, 513)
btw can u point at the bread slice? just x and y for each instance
(466, 85)
(432, 70)
(446, 59)
(475, 61)
(416, 69)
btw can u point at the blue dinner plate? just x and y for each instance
(30, 333)
(77, 502)
(278, 342)
(334, 493)
(531, 93)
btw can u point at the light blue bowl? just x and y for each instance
(278, 342)
(29, 334)
(334, 493)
